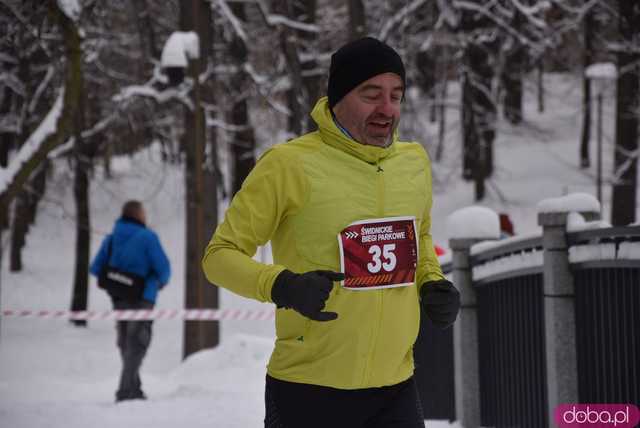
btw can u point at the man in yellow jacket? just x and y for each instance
(347, 211)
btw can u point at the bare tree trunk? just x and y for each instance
(478, 117)
(623, 207)
(20, 219)
(513, 71)
(243, 144)
(305, 88)
(357, 19)
(306, 12)
(25, 209)
(512, 81)
(426, 64)
(212, 182)
(474, 152)
(585, 159)
(5, 142)
(478, 106)
(18, 231)
(195, 15)
(6, 138)
(295, 95)
(82, 161)
(106, 160)
(540, 85)
(145, 29)
(442, 108)
(38, 187)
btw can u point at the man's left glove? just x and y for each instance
(440, 300)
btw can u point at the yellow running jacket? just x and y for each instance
(299, 196)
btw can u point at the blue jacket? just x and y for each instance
(135, 249)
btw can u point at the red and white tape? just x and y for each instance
(155, 314)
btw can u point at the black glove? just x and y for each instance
(440, 301)
(306, 292)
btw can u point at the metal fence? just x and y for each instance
(511, 357)
(511, 352)
(512, 370)
(608, 335)
(607, 299)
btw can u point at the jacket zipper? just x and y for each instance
(380, 293)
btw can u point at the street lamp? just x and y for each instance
(602, 74)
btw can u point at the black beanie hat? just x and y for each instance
(358, 61)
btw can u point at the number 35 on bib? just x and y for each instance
(379, 253)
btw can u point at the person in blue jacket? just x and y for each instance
(135, 249)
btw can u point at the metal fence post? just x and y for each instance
(559, 314)
(465, 337)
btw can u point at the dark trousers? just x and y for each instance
(297, 405)
(133, 341)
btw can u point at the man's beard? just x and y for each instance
(393, 124)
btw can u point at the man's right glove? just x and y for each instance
(306, 292)
(440, 301)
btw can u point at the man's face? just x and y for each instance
(371, 111)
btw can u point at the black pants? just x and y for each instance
(297, 405)
(133, 341)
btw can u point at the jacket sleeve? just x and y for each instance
(101, 257)
(274, 189)
(428, 265)
(160, 265)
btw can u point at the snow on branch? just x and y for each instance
(100, 126)
(579, 11)
(148, 91)
(275, 19)
(621, 47)
(259, 79)
(448, 13)
(530, 12)
(323, 57)
(632, 157)
(484, 10)
(217, 123)
(47, 128)
(398, 17)
(10, 59)
(71, 8)
(41, 87)
(233, 20)
(13, 82)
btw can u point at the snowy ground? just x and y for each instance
(55, 375)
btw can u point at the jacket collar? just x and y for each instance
(334, 137)
(125, 219)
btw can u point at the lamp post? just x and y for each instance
(602, 74)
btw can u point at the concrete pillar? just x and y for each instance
(465, 337)
(559, 314)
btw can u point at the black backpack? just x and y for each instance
(119, 284)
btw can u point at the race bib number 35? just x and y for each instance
(379, 253)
